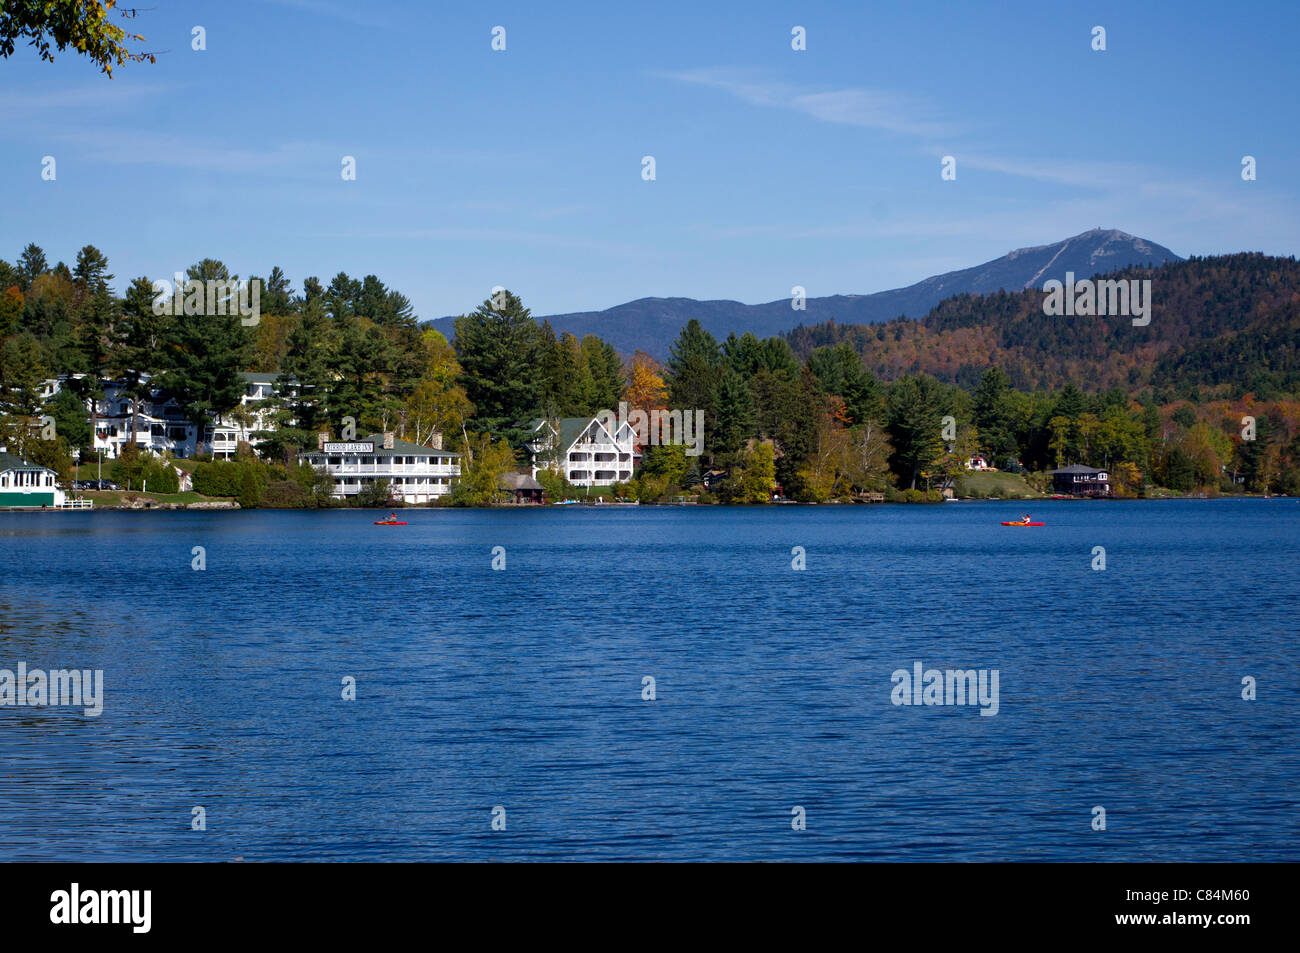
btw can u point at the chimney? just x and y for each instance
(435, 440)
(388, 440)
(321, 437)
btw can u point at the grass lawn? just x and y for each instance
(1009, 486)
(90, 471)
(109, 497)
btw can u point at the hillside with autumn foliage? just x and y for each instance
(1223, 326)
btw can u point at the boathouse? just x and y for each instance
(522, 487)
(24, 484)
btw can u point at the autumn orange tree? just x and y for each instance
(645, 388)
(825, 474)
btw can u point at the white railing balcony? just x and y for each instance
(393, 469)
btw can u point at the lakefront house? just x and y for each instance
(414, 474)
(1078, 480)
(240, 425)
(159, 424)
(583, 449)
(152, 417)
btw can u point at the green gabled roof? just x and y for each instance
(406, 448)
(571, 428)
(1075, 468)
(10, 461)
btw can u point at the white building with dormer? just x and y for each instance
(583, 450)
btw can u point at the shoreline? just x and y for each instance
(233, 506)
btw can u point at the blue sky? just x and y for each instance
(774, 168)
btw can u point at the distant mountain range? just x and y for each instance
(652, 324)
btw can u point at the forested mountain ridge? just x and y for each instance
(649, 324)
(1229, 322)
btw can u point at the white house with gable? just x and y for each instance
(583, 449)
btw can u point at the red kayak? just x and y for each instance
(1017, 523)
(392, 523)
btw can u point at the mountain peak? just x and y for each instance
(652, 324)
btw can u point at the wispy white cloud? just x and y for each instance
(1129, 195)
(24, 102)
(336, 11)
(498, 209)
(496, 236)
(1176, 214)
(183, 151)
(1080, 173)
(885, 110)
(906, 115)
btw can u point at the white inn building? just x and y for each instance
(583, 450)
(160, 425)
(254, 413)
(415, 474)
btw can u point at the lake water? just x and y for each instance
(522, 688)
